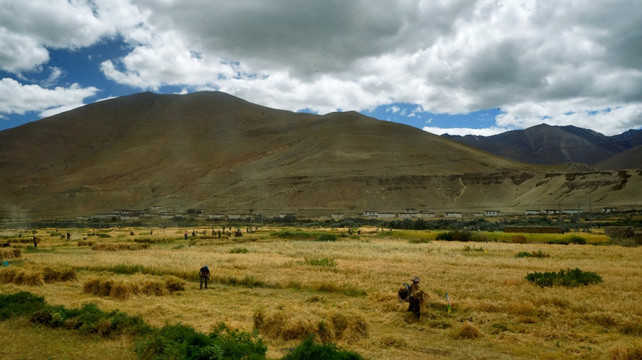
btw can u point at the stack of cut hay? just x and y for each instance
(123, 288)
(297, 324)
(120, 246)
(34, 276)
(10, 253)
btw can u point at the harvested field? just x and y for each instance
(9, 253)
(344, 291)
(120, 246)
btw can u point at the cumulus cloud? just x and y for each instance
(16, 98)
(566, 62)
(465, 131)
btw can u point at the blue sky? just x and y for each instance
(459, 67)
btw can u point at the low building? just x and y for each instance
(608, 210)
(532, 212)
(572, 211)
(452, 214)
(386, 215)
(491, 213)
(337, 216)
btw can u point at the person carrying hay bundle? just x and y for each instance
(415, 298)
(204, 274)
(404, 291)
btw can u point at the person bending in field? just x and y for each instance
(204, 274)
(415, 298)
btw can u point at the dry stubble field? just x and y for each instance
(345, 290)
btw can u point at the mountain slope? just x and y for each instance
(545, 144)
(213, 151)
(628, 159)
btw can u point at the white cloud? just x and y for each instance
(465, 131)
(16, 98)
(532, 59)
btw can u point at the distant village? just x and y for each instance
(157, 212)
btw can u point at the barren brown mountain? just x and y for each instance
(215, 152)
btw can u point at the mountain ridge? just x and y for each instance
(553, 145)
(213, 151)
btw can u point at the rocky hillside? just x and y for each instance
(215, 152)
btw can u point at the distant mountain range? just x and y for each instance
(545, 144)
(219, 153)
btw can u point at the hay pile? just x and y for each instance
(297, 324)
(86, 243)
(120, 246)
(10, 253)
(123, 289)
(36, 277)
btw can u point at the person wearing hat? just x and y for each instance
(204, 273)
(415, 298)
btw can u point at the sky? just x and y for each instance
(477, 67)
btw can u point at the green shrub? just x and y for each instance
(91, 320)
(459, 235)
(327, 237)
(418, 241)
(569, 278)
(575, 239)
(308, 349)
(239, 251)
(22, 303)
(183, 342)
(535, 254)
(468, 248)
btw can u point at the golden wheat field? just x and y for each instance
(345, 291)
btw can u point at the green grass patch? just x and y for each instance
(419, 241)
(474, 249)
(327, 237)
(308, 349)
(318, 262)
(91, 320)
(304, 235)
(569, 278)
(20, 304)
(536, 254)
(239, 251)
(183, 342)
(461, 235)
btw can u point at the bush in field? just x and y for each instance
(458, 235)
(91, 320)
(535, 254)
(20, 304)
(308, 349)
(327, 237)
(575, 239)
(569, 278)
(120, 246)
(183, 342)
